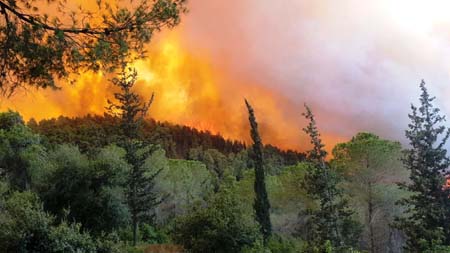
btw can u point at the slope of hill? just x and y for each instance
(94, 131)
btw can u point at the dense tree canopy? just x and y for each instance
(223, 226)
(103, 184)
(26, 227)
(22, 155)
(371, 167)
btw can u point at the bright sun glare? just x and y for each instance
(419, 15)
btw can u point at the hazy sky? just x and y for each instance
(357, 63)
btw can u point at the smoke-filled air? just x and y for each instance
(213, 126)
(357, 63)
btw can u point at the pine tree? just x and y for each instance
(131, 111)
(427, 220)
(331, 222)
(261, 204)
(40, 47)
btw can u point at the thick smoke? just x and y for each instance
(357, 63)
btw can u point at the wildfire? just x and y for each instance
(188, 91)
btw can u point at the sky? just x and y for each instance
(357, 64)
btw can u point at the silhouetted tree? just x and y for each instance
(261, 205)
(141, 196)
(42, 41)
(427, 220)
(331, 221)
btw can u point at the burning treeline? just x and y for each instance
(188, 89)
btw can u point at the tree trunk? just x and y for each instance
(134, 213)
(135, 228)
(370, 218)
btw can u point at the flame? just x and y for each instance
(188, 91)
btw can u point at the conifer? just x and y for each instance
(261, 204)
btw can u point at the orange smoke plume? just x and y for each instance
(188, 90)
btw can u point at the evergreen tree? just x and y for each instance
(427, 220)
(370, 166)
(23, 159)
(261, 204)
(331, 222)
(131, 111)
(45, 41)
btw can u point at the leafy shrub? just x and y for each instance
(27, 228)
(152, 235)
(279, 244)
(222, 226)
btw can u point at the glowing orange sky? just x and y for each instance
(356, 64)
(188, 91)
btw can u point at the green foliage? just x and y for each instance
(332, 220)
(68, 238)
(280, 244)
(261, 204)
(22, 157)
(142, 198)
(182, 184)
(90, 191)
(27, 228)
(286, 196)
(151, 235)
(371, 167)
(146, 234)
(276, 244)
(10, 119)
(41, 47)
(92, 132)
(128, 106)
(428, 208)
(176, 198)
(223, 225)
(216, 162)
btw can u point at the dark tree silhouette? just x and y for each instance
(331, 221)
(427, 223)
(131, 112)
(262, 204)
(42, 41)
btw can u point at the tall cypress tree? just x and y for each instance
(331, 222)
(261, 204)
(427, 220)
(131, 111)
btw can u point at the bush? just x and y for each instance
(280, 244)
(222, 226)
(25, 227)
(68, 238)
(151, 235)
(276, 244)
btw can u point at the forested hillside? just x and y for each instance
(115, 178)
(87, 185)
(93, 131)
(86, 189)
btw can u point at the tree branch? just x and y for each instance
(32, 21)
